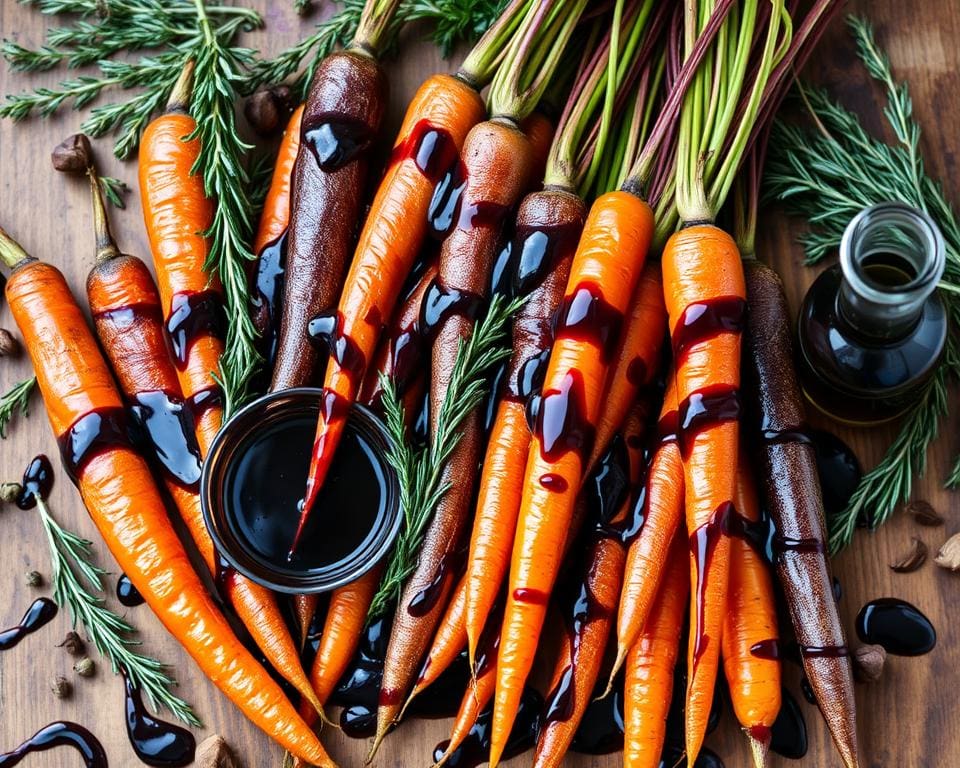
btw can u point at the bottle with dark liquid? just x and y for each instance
(872, 328)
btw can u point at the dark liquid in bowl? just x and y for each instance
(265, 485)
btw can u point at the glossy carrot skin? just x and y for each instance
(348, 94)
(267, 296)
(663, 516)
(753, 680)
(576, 670)
(177, 213)
(607, 265)
(553, 220)
(701, 263)
(126, 311)
(637, 357)
(119, 492)
(496, 166)
(449, 640)
(650, 665)
(393, 233)
(792, 490)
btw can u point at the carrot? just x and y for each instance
(270, 242)
(88, 418)
(448, 642)
(705, 298)
(126, 310)
(548, 226)
(637, 356)
(438, 119)
(749, 642)
(341, 120)
(662, 513)
(177, 213)
(539, 129)
(792, 490)
(650, 666)
(578, 665)
(603, 276)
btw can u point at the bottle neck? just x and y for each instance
(892, 257)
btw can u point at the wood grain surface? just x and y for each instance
(907, 720)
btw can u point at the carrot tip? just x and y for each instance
(758, 750)
(409, 701)
(621, 657)
(377, 741)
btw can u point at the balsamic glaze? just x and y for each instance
(475, 749)
(896, 625)
(551, 481)
(442, 697)
(608, 486)
(538, 249)
(36, 483)
(706, 408)
(703, 543)
(128, 594)
(167, 424)
(424, 601)
(703, 320)
(586, 316)
(789, 731)
(441, 301)
(336, 140)
(501, 273)
(601, 729)
(561, 423)
(93, 433)
(444, 210)
(358, 691)
(201, 400)
(59, 734)
(192, 315)
(839, 472)
(807, 690)
(530, 595)
(268, 293)
(40, 612)
(782, 545)
(530, 376)
(325, 329)
(154, 741)
(674, 756)
(767, 649)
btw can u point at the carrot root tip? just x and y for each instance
(759, 749)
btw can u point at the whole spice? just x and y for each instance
(61, 687)
(34, 579)
(85, 667)
(10, 491)
(72, 644)
(71, 155)
(923, 513)
(267, 109)
(911, 561)
(214, 752)
(868, 661)
(9, 346)
(949, 555)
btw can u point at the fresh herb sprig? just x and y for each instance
(420, 471)
(451, 22)
(15, 400)
(110, 633)
(827, 174)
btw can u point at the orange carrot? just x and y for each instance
(87, 415)
(603, 276)
(177, 213)
(552, 221)
(648, 686)
(438, 119)
(705, 297)
(663, 511)
(578, 666)
(276, 206)
(750, 660)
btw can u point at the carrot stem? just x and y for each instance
(376, 22)
(10, 250)
(179, 100)
(106, 245)
(481, 63)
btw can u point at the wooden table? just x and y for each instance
(907, 720)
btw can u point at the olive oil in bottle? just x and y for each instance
(872, 328)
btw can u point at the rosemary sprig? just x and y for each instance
(827, 174)
(452, 22)
(420, 471)
(110, 633)
(15, 400)
(114, 190)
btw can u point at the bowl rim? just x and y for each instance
(219, 453)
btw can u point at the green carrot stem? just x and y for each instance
(482, 61)
(11, 252)
(377, 23)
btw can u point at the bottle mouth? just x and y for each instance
(892, 254)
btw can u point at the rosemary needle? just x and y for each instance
(16, 400)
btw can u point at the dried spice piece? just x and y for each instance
(913, 559)
(949, 555)
(924, 513)
(9, 346)
(10, 492)
(868, 661)
(214, 752)
(34, 579)
(72, 155)
(267, 109)
(85, 667)
(72, 644)
(61, 687)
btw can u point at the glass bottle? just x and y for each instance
(872, 328)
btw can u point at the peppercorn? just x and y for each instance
(34, 579)
(61, 687)
(85, 667)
